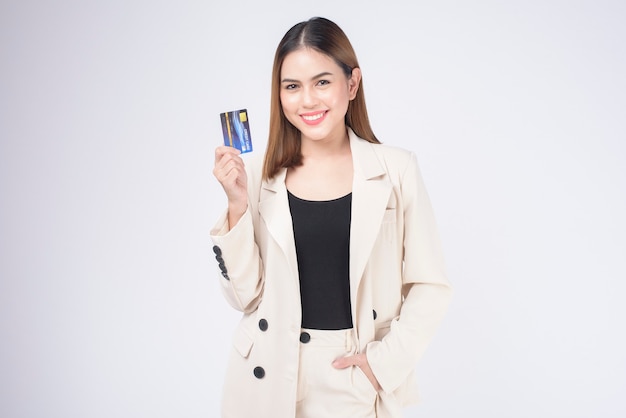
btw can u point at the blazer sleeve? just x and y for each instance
(426, 289)
(238, 256)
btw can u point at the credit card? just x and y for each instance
(236, 129)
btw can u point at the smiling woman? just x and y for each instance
(329, 248)
(306, 41)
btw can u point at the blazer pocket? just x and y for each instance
(382, 330)
(243, 342)
(388, 226)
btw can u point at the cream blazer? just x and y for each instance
(398, 287)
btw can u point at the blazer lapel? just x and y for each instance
(274, 209)
(370, 193)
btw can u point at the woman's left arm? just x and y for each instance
(426, 289)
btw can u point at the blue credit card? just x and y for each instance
(236, 130)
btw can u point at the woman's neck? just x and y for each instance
(325, 148)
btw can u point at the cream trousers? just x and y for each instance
(327, 392)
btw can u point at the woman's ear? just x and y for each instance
(353, 82)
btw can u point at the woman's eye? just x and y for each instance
(323, 82)
(290, 86)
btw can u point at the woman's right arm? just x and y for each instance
(233, 236)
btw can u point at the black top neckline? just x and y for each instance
(319, 201)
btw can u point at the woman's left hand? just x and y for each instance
(359, 360)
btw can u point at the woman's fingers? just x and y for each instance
(228, 163)
(226, 158)
(227, 169)
(230, 171)
(358, 360)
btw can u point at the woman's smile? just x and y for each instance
(314, 118)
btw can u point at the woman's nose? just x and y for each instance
(309, 97)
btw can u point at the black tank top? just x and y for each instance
(322, 236)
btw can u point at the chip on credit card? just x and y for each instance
(236, 130)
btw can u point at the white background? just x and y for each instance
(109, 297)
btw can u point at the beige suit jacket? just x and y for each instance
(399, 290)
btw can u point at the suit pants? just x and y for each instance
(327, 392)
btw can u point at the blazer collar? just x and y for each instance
(367, 166)
(366, 163)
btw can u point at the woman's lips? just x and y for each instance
(313, 118)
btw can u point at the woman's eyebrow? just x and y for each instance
(320, 75)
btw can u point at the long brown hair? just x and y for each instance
(322, 35)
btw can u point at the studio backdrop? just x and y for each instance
(110, 304)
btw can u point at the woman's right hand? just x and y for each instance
(230, 171)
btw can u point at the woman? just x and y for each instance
(329, 248)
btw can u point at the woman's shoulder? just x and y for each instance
(393, 151)
(394, 158)
(387, 151)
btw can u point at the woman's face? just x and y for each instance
(315, 93)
